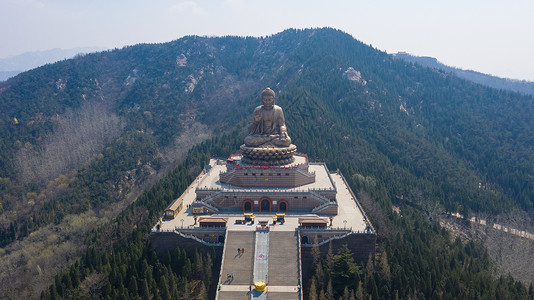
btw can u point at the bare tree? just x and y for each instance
(78, 137)
(432, 209)
(93, 284)
(193, 134)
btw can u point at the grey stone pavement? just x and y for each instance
(283, 259)
(241, 265)
(349, 214)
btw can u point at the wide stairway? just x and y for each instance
(283, 265)
(239, 264)
(268, 256)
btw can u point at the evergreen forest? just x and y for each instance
(93, 149)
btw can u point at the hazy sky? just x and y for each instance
(490, 36)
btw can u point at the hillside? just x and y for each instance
(519, 86)
(81, 139)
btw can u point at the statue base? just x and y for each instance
(268, 155)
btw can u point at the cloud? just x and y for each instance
(188, 7)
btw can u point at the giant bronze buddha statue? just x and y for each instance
(268, 142)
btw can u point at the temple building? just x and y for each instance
(295, 187)
(269, 200)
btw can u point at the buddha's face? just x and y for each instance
(267, 101)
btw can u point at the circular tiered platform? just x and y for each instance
(268, 155)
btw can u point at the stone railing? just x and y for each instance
(263, 191)
(212, 196)
(196, 229)
(326, 229)
(327, 190)
(330, 177)
(292, 167)
(346, 233)
(189, 236)
(319, 197)
(204, 202)
(307, 174)
(299, 264)
(222, 265)
(209, 206)
(335, 237)
(323, 206)
(366, 219)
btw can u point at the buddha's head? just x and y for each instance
(267, 98)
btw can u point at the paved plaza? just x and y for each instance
(349, 216)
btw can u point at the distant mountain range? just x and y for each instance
(13, 65)
(520, 86)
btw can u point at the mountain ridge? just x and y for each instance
(400, 133)
(15, 64)
(516, 85)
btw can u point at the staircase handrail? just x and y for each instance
(299, 262)
(215, 209)
(190, 236)
(307, 174)
(210, 197)
(336, 237)
(318, 196)
(222, 263)
(321, 207)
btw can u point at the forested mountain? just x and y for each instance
(81, 138)
(520, 86)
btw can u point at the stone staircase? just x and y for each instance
(241, 265)
(284, 275)
(282, 270)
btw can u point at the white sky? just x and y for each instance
(490, 36)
